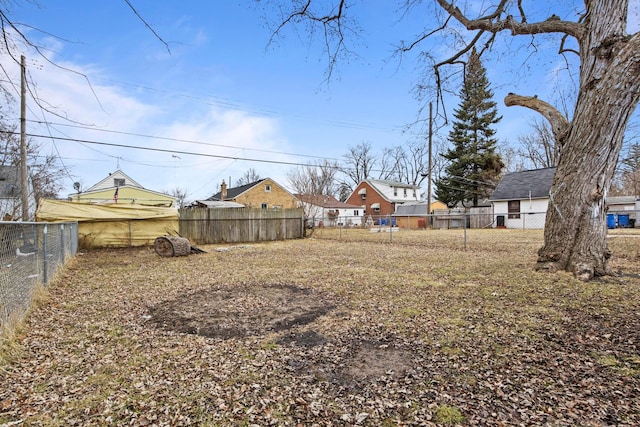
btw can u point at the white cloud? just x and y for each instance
(111, 107)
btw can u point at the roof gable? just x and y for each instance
(109, 182)
(527, 184)
(384, 188)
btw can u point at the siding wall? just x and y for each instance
(536, 210)
(126, 195)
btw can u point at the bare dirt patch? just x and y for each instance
(241, 310)
(259, 310)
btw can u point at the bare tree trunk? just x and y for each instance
(575, 229)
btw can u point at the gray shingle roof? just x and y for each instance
(524, 184)
(234, 192)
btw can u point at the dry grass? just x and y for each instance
(421, 332)
(11, 331)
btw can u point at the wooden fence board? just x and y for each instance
(237, 225)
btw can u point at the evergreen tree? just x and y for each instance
(474, 166)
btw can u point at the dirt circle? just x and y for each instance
(253, 310)
(241, 310)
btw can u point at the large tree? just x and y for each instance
(590, 140)
(473, 165)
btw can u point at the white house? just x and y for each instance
(329, 211)
(521, 198)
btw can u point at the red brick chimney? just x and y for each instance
(223, 190)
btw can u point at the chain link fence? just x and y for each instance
(30, 255)
(457, 230)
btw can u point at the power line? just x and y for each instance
(188, 141)
(162, 150)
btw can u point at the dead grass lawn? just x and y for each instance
(327, 332)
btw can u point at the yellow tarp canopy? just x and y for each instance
(111, 225)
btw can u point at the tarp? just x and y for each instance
(112, 225)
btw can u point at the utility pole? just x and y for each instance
(429, 171)
(23, 140)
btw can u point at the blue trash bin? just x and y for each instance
(611, 220)
(623, 220)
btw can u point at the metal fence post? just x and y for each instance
(62, 247)
(464, 226)
(45, 276)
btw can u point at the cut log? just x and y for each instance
(172, 246)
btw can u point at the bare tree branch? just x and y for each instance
(559, 124)
(494, 24)
(146, 24)
(334, 26)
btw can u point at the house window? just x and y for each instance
(513, 207)
(267, 188)
(118, 182)
(356, 212)
(405, 192)
(414, 193)
(364, 196)
(395, 191)
(264, 206)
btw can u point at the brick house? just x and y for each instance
(381, 197)
(262, 194)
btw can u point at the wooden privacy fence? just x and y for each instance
(235, 225)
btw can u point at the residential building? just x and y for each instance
(262, 194)
(118, 187)
(521, 198)
(329, 211)
(381, 197)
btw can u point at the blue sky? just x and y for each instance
(223, 85)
